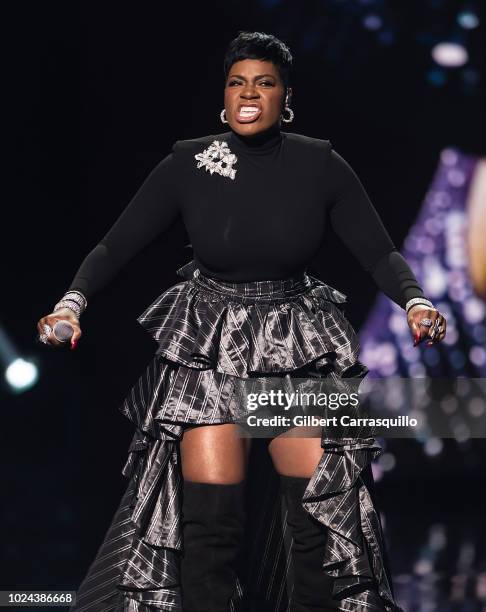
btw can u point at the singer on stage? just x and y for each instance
(255, 201)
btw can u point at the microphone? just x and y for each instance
(63, 331)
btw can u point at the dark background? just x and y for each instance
(96, 95)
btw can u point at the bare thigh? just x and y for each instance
(214, 454)
(294, 455)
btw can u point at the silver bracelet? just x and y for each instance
(418, 300)
(68, 304)
(75, 301)
(76, 296)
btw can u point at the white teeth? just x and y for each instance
(248, 110)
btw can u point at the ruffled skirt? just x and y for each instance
(212, 336)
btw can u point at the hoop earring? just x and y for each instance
(223, 116)
(291, 115)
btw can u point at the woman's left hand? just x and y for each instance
(418, 318)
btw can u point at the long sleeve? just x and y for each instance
(151, 211)
(356, 221)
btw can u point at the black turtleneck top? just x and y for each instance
(254, 208)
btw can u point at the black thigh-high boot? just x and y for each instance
(213, 526)
(312, 586)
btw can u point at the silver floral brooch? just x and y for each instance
(218, 158)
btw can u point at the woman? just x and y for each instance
(254, 201)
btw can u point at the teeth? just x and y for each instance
(248, 110)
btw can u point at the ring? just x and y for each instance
(436, 329)
(47, 332)
(426, 322)
(47, 329)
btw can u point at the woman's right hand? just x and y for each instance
(63, 314)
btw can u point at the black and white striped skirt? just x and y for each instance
(212, 335)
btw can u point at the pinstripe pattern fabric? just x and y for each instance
(211, 335)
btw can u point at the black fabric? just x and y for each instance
(265, 223)
(213, 518)
(312, 587)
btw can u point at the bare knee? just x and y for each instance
(295, 455)
(214, 454)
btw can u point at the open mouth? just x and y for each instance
(245, 114)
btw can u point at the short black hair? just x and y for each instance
(258, 45)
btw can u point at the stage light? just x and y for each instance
(372, 22)
(451, 337)
(438, 537)
(449, 157)
(468, 20)
(461, 431)
(423, 567)
(398, 323)
(21, 374)
(434, 226)
(456, 178)
(387, 461)
(377, 472)
(450, 54)
(417, 370)
(474, 310)
(425, 245)
(433, 447)
(481, 586)
(477, 355)
(449, 404)
(477, 406)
